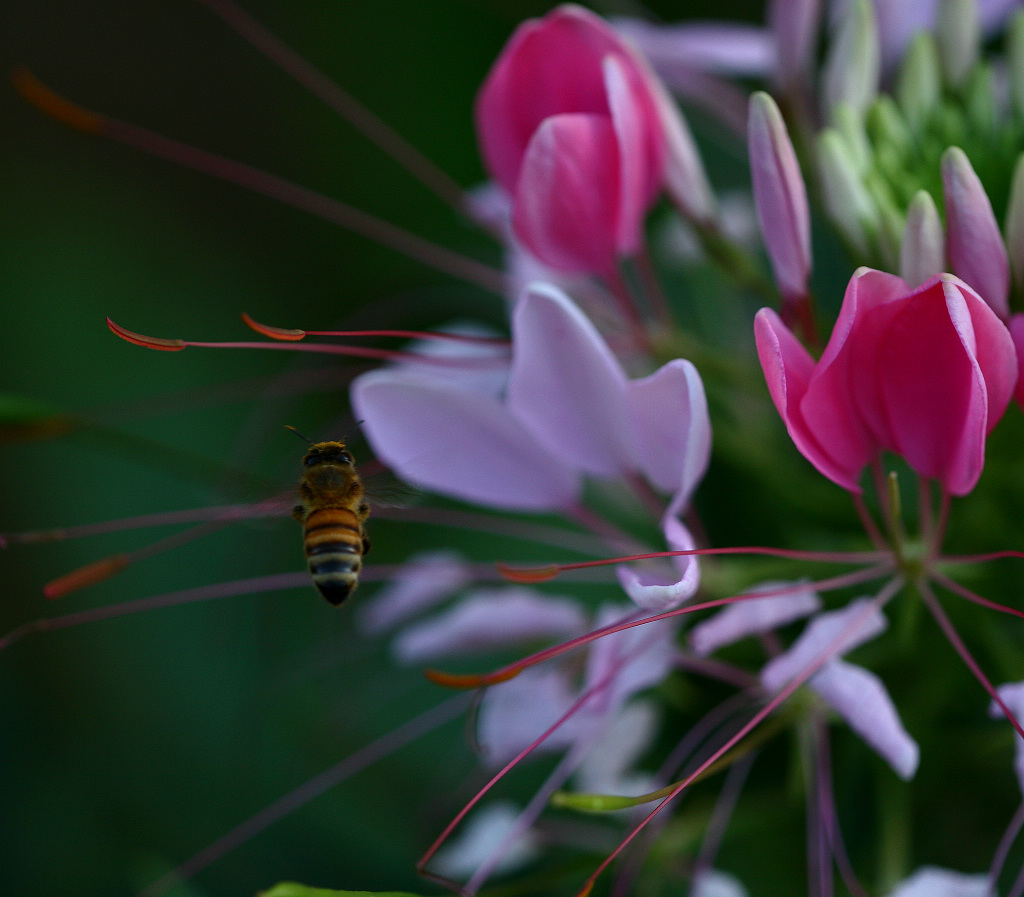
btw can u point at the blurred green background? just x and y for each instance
(129, 744)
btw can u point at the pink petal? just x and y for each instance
(973, 240)
(862, 700)
(549, 66)
(938, 399)
(566, 387)
(488, 620)
(1017, 333)
(670, 426)
(459, 443)
(423, 581)
(566, 208)
(826, 637)
(641, 159)
(788, 369)
(753, 616)
(780, 196)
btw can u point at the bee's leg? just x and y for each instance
(363, 512)
(366, 545)
(299, 512)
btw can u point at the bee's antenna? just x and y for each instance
(345, 437)
(297, 433)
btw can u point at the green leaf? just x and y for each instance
(292, 889)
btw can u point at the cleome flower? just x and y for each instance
(925, 373)
(567, 411)
(578, 132)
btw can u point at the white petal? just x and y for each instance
(713, 883)
(458, 443)
(490, 619)
(566, 386)
(657, 585)
(670, 427)
(515, 713)
(424, 580)
(483, 833)
(931, 881)
(862, 700)
(607, 767)
(826, 636)
(786, 603)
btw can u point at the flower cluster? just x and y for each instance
(656, 697)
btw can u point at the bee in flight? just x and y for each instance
(332, 511)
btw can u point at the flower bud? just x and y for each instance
(959, 32)
(922, 252)
(973, 242)
(919, 86)
(853, 65)
(780, 196)
(847, 200)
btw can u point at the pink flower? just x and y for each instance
(925, 373)
(570, 125)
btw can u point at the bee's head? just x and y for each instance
(327, 453)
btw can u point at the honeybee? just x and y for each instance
(332, 512)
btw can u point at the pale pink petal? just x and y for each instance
(753, 616)
(566, 201)
(670, 425)
(826, 637)
(685, 178)
(424, 581)
(458, 443)
(640, 175)
(566, 386)
(724, 48)
(862, 700)
(974, 243)
(931, 881)
(515, 713)
(485, 832)
(795, 25)
(489, 620)
(780, 196)
(658, 585)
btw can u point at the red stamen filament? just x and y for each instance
(470, 680)
(176, 345)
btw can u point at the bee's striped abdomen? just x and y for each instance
(334, 551)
